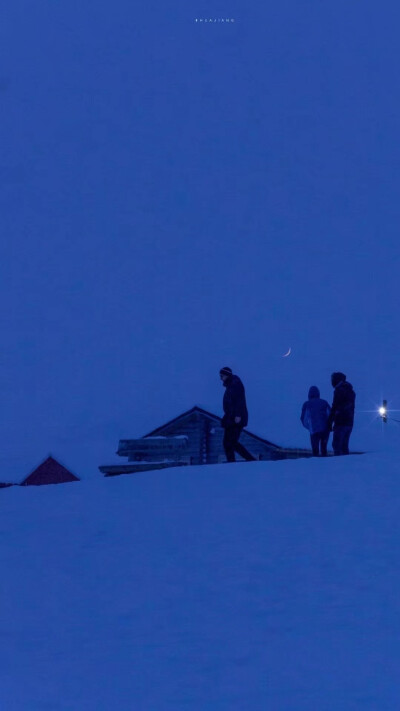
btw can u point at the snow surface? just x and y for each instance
(163, 437)
(266, 586)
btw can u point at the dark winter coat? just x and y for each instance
(234, 402)
(342, 413)
(315, 412)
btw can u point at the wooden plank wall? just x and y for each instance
(205, 441)
(193, 428)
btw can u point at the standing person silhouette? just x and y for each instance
(235, 415)
(315, 416)
(342, 413)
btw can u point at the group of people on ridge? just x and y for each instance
(320, 418)
(317, 416)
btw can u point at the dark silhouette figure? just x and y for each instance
(235, 415)
(314, 416)
(341, 418)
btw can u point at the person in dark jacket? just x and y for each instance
(341, 418)
(235, 415)
(314, 416)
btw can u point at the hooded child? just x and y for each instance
(315, 418)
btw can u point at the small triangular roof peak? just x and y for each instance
(50, 471)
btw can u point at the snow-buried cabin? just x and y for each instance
(195, 437)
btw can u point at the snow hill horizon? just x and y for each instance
(83, 455)
(263, 585)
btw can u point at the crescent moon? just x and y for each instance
(285, 355)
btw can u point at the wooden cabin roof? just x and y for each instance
(210, 416)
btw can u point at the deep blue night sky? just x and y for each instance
(178, 196)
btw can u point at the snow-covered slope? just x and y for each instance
(254, 587)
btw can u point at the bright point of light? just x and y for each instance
(382, 411)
